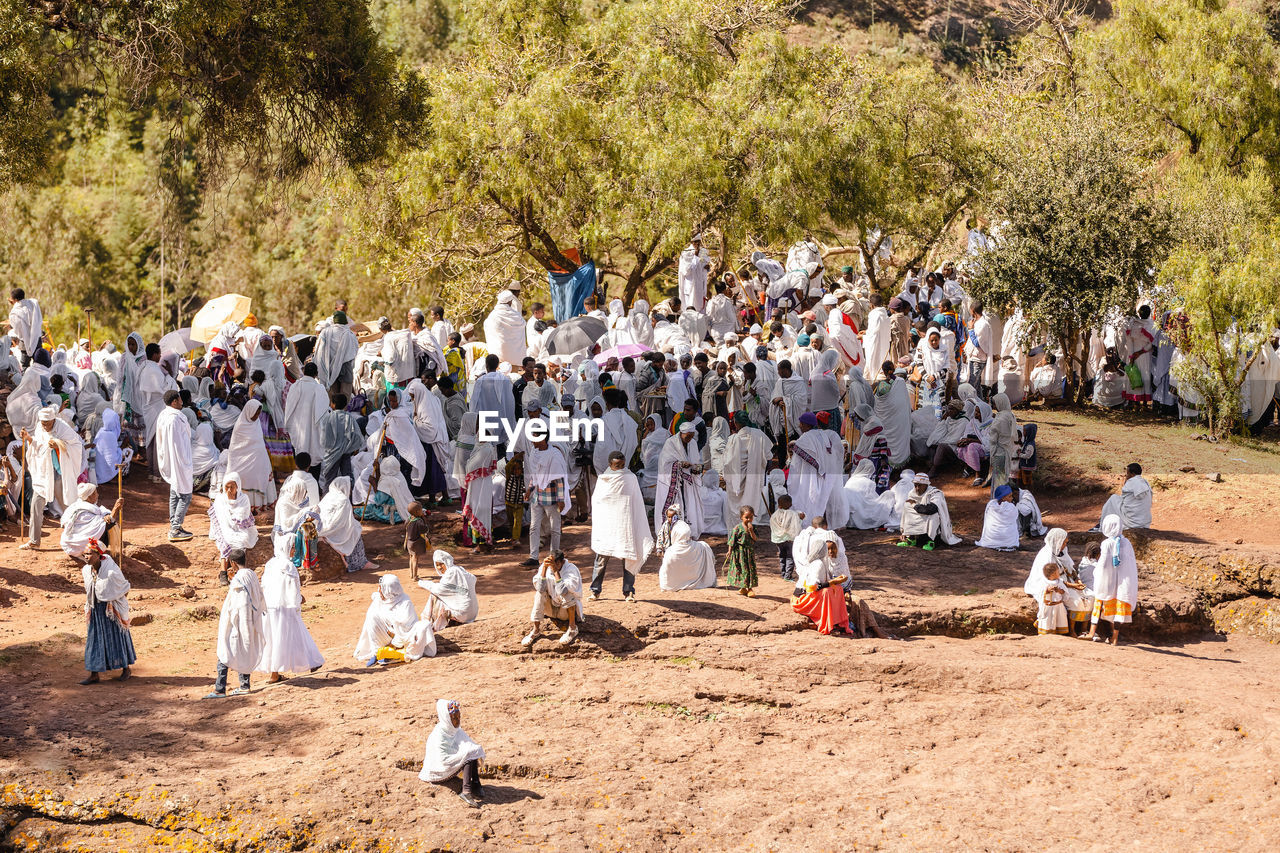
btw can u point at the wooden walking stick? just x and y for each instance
(22, 486)
(786, 436)
(377, 458)
(89, 330)
(120, 520)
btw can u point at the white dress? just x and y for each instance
(289, 647)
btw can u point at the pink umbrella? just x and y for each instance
(620, 352)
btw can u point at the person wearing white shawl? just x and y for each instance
(1000, 522)
(686, 562)
(718, 443)
(382, 485)
(875, 341)
(619, 431)
(790, 397)
(84, 521)
(288, 646)
(90, 403)
(247, 456)
(205, 456)
(655, 437)
(1133, 504)
(108, 643)
(925, 520)
(893, 409)
(679, 478)
(722, 314)
(231, 524)
(1115, 581)
(27, 322)
(1002, 436)
(153, 386)
(546, 480)
(338, 526)
(429, 423)
(452, 598)
(241, 627)
(619, 526)
(504, 330)
(746, 458)
(1078, 596)
(22, 409)
(172, 460)
(868, 510)
(392, 629)
(691, 275)
(307, 403)
(51, 484)
(109, 456)
(1030, 522)
(400, 362)
(400, 431)
(335, 351)
(641, 324)
(451, 751)
(265, 358)
(557, 593)
(817, 463)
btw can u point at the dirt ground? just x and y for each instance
(685, 721)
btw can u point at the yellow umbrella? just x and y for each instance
(228, 308)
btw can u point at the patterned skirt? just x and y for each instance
(109, 644)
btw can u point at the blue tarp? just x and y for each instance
(569, 290)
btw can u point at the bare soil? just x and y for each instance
(687, 721)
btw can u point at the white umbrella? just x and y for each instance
(228, 308)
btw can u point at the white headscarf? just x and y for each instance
(337, 519)
(232, 515)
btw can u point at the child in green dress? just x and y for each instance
(740, 565)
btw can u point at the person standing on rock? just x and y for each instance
(108, 643)
(1115, 581)
(241, 627)
(619, 526)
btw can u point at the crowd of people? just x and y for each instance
(775, 401)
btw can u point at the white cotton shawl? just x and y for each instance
(686, 562)
(429, 422)
(28, 323)
(338, 523)
(400, 431)
(933, 495)
(109, 586)
(336, 346)
(173, 449)
(247, 456)
(1054, 542)
(867, 510)
(689, 495)
(745, 460)
(392, 483)
(306, 404)
(231, 514)
(449, 748)
(456, 589)
(40, 462)
(999, 526)
(1115, 575)
(23, 407)
(619, 523)
(82, 521)
(241, 629)
(504, 330)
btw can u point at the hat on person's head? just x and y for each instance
(823, 418)
(803, 340)
(275, 329)
(731, 336)
(49, 413)
(687, 427)
(506, 297)
(340, 317)
(416, 312)
(830, 299)
(901, 371)
(250, 320)
(466, 328)
(809, 419)
(515, 284)
(85, 490)
(1003, 492)
(921, 480)
(696, 238)
(533, 404)
(847, 268)
(756, 329)
(896, 304)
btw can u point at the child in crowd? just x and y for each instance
(784, 527)
(513, 496)
(740, 564)
(1052, 618)
(417, 540)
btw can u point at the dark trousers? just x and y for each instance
(220, 686)
(597, 576)
(785, 562)
(471, 777)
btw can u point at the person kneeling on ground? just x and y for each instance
(557, 593)
(241, 638)
(925, 519)
(451, 751)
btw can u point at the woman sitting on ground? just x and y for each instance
(451, 751)
(453, 597)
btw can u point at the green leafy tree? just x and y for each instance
(1083, 229)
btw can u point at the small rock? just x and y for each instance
(1188, 469)
(1214, 477)
(1239, 541)
(187, 591)
(139, 619)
